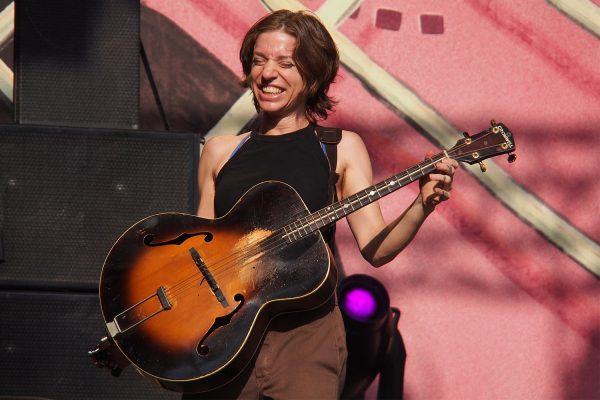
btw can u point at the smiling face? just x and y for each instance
(276, 82)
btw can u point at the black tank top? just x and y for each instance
(295, 158)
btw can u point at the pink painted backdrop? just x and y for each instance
(490, 308)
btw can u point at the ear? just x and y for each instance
(245, 81)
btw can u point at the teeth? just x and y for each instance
(271, 89)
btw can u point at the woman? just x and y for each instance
(289, 60)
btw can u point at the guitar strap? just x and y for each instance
(329, 138)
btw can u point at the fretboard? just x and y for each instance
(336, 211)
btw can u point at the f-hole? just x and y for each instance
(149, 239)
(202, 349)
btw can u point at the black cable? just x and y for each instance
(153, 86)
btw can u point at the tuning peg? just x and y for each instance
(482, 166)
(512, 157)
(466, 134)
(493, 122)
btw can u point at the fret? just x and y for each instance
(297, 229)
(319, 220)
(402, 180)
(409, 174)
(325, 217)
(325, 214)
(293, 233)
(312, 221)
(286, 234)
(331, 219)
(335, 212)
(389, 185)
(303, 226)
(346, 206)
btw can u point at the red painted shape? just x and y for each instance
(432, 24)
(388, 19)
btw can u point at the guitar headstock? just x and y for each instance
(495, 140)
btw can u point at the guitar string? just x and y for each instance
(253, 250)
(222, 266)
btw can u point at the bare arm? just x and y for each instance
(214, 155)
(380, 242)
(206, 180)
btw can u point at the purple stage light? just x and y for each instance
(360, 304)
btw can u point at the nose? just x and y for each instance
(269, 70)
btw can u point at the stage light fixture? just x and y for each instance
(374, 342)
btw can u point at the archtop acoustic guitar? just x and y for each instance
(187, 300)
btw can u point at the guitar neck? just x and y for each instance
(336, 211)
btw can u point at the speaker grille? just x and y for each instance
(77, 62)
(68, 194)
(44, 339)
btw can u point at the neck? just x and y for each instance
(273, 125)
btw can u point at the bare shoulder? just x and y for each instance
(351, 140)
(223, 144)
(351, 147)
(218, 149)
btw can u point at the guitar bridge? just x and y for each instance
(212, 283)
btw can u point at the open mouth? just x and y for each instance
(271, 89)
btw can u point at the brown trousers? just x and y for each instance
(303, 356)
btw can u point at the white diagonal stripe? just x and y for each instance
(7, 29)
(583, 12)
(238, 115)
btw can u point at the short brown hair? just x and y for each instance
(315, 55)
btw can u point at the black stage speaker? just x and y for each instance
(67, 194)
(77, 62)
(44, 339)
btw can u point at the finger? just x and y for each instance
(452, 163)
(443, 194)
(446, 167)
(438, 177)
(451, 166)
(442, 178)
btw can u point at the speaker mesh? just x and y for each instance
(67, 194)
(44, 339)
(77, 62)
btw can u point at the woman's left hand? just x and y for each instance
(436, 187)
